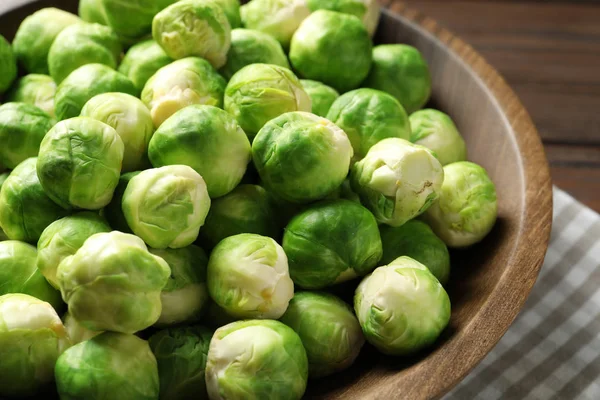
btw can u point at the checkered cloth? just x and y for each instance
(552, 351)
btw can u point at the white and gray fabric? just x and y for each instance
(552, 351)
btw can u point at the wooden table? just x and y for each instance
(549, 52)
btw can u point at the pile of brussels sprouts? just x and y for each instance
(179, 207)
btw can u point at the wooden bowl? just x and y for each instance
(490, 281)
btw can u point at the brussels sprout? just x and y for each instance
(130, 19)
(185, 295)
(86, 82)
(166, 206)
(278, 18)
(321, 96)
(35, 89)
(75, 332)
(329, 331)
(416, 240)
(247, 209)
(111, 365)
(367, 10)
(332, 48)
(232, 12)
(256, 359)
(467, 209)
(401, 71)
(181, 355)
(132, 121)
(82, 44)
(207, 139)
(31, 339)
(22, 128)
(63, 238)
(142, 61)
(192, 28)
(248, 276)
(180, 84)
(79, 163)
(35, 37)
(113, 212)
(402, 308)
(397, 180)
(18, 273)
(25, 209)
(252, 47)
(368, 116)
(436, 131)
(113, 283)
(260, 92)
(331, 242)
(8, 65)
(302, 157)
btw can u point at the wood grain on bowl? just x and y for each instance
(489, 282)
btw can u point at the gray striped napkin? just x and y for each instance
(552, 351)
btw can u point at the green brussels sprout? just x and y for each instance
(256, 359)
(166, 206)
(63, 238)
(247, 209)
(207, 139)
(35, 37)
(181, 355)
(331, 242)
(332, 48)
(18, 273)
(329, 331)
(467, 208)
(436, 131)
(25, 209)
(110, 365)
(132, 121)
(113, 212)
(368, 116)
(35, 89)
(113, 283)
(130, 19)
(22, 128)
(192, 28)
(397, 180)
(180, 84)
(252, 47)
(142, 60)
(367, 10)
(302, 157)
(232, 12)
(260, 92)
(401, 71)
(31, 339)
(82, 44)
(79, 163)
(248, 276)
(185, 295)
(75, 331)
(8, 65)
(402, 308)
(416, 240)
(278, 18)
(86, 82)
(321, 96)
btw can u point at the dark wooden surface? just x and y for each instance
(549, 53)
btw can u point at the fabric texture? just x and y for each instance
(552, 350)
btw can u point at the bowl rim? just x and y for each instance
(511, 291)
(508, 297)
